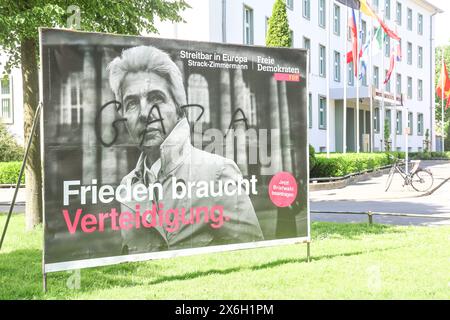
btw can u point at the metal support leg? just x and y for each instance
(44, 282)
(308, 252)
(13, 202)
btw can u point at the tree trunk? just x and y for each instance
(33, 173)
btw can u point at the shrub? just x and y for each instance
(339, 165)
(9, 172)
(9, 149)
(312, 157)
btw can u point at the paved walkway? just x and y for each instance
(360, 197)
(370, 196)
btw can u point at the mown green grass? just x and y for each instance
(349, 261)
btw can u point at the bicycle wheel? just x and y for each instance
(422, 180)
(389, 179)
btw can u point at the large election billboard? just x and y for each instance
(155, 148)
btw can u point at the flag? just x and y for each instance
(353, 27)
(367, 10)
(446, 80)
(377, 38)
(396, 55)
(378, 41)
(391, 68)
(354, 4)
(365, 55)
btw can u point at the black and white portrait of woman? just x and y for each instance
(149, 86)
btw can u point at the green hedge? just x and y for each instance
(339, 165)
(9, 149)
(426, 155)
(9, 172)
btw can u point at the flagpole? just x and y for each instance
(358, 33)
(369, 75)
(344, 139)
(442, 100)
(394, 146)
(383, 112)
(328, 71)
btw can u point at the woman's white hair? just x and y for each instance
(147, 59)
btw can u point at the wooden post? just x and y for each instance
(308, 252)
(369, 214)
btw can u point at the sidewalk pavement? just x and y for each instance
(374, 188)
(362, 196)
(370, 196)
(7, 194)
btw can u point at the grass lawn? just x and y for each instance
(349, 261)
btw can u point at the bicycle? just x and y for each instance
(419, 178)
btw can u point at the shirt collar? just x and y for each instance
(174, 150)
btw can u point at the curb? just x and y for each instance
(21, 203)
(347, 181)
(429, 193)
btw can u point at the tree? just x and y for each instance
(387, 135)
(279, 34)
(19, 22)
(438, 99)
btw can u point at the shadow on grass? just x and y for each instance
(351, 231)
(21, 275)
(268, 265)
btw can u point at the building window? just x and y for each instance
(310, 109)
(337, 66)
(399, 123)
(291, 32)
(376, 120)
(387, 121)
(322, 61)
(399, 13)
(307, 46)
(409, 53)
(387, 86)
(248, 25)
(364, 79)
(410, 88)
(267, 26)
(420, 57)
(351, 74)
(6, 110)
(375, 5)
(322, 112)
(420, 24)
(290, 4)
(410, 19)
(322, 14)
(387, 9)
(376, 77)
(420, 124)
(420, 90)
(71, 98)
(364, 31)
(337, 20)
(410, 122)
(307, 9)
(399, 84)
(387, 45)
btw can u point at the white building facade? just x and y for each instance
(246, 22)
(11, 100)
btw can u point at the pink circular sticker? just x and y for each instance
(283, 189)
